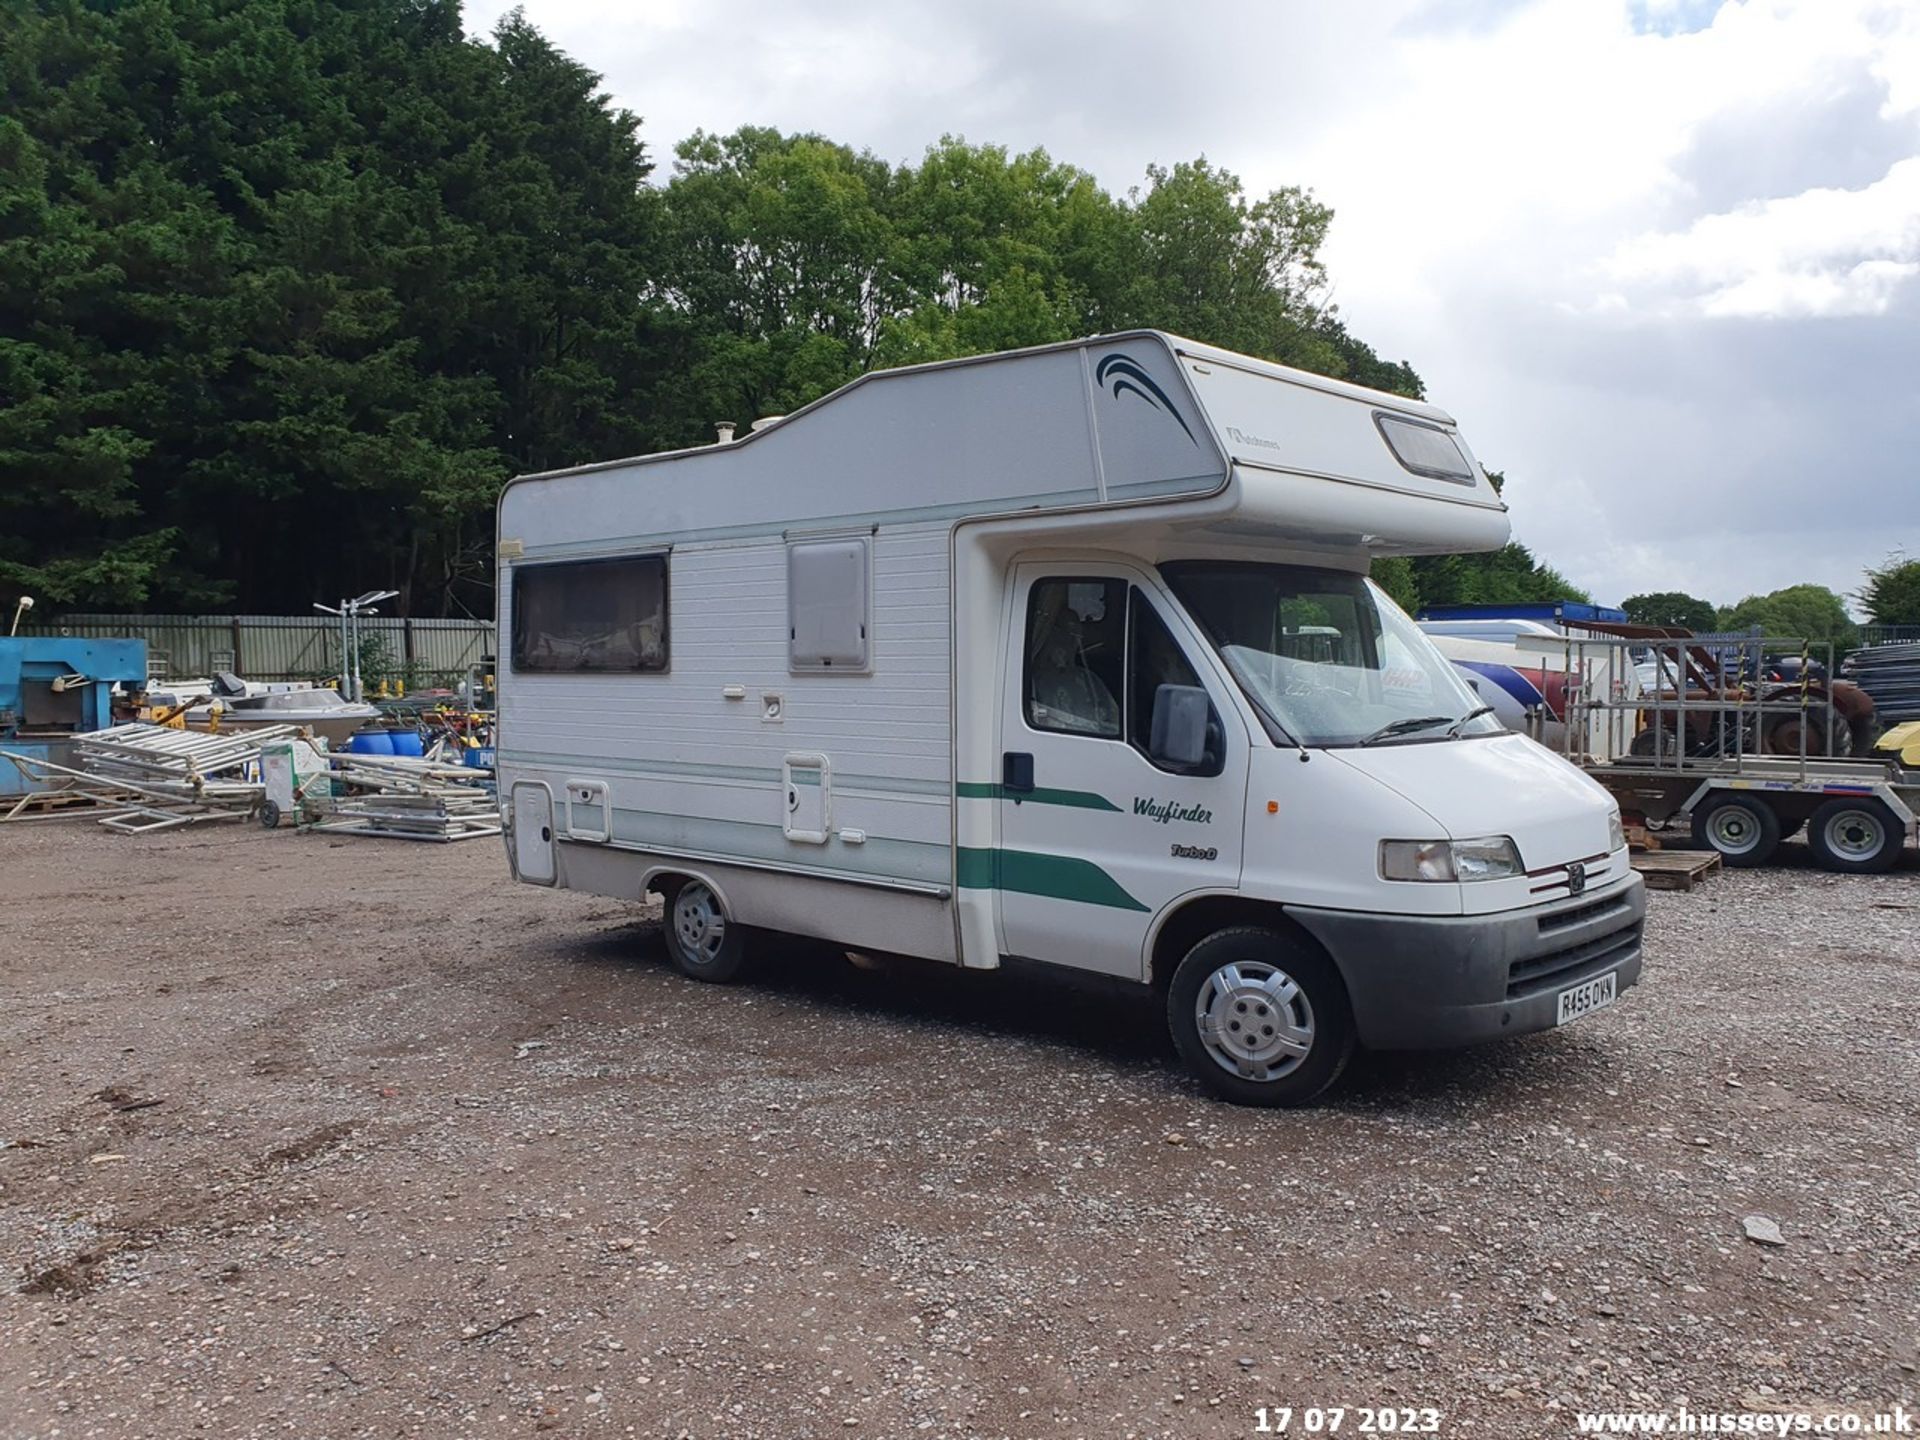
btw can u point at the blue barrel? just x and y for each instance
(372, 742)
(407, 742)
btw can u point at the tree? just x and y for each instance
(1799, 612)
(1892, 592)
(1672, 607)
(1394, 574)
(287, 290)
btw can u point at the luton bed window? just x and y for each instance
(591, 616)
(1424, 449)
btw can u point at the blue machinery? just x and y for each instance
(53, 687)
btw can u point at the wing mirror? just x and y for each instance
(1179, 734)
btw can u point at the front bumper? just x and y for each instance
(1428, 982)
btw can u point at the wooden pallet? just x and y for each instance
(1676, 869)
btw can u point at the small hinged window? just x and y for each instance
(830, 603)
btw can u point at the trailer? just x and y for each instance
(1065, 656)
(1710, 752)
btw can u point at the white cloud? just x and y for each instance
(1822, 252)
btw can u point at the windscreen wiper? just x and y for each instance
(1405, 727)
(1453, 730)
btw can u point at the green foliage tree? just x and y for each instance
(1892, 592)
(1672, 607)
(288, 289)
(1801, 612)
(1394, 574)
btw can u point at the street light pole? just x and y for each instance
(350, 612)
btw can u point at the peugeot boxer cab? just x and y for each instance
(1282, 733)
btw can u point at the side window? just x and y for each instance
(1155, 659)
(1076, 656)
(829, 597)
(591, 616)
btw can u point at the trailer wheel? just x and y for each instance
(1745, 831)
(702, 941)
(1260, 1019)
(1855, 835)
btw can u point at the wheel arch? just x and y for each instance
(662, 875)
(1190, 920)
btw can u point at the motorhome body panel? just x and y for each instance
(695, 760)
(1132, 445)
(1107, 422)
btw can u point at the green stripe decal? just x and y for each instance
(1055, 877)
(1072, 799)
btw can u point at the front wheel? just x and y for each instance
(702, 941)
(1855, 836)
(1260, 1019)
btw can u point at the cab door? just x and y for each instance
(1096, 835)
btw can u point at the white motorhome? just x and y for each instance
(1067, 655)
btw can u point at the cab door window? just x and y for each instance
(1154, 658)
(1076, 656)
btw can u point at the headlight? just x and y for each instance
(1492, 858)
(1616, 832)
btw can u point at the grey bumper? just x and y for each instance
(1426, 982)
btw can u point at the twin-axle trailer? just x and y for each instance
(1748, 762)
(1066, 655)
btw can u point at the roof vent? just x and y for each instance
(725, 431)
(766, 420)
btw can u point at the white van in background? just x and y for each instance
(1070, 655)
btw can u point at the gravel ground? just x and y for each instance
(355, 1138)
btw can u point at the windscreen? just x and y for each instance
(1325, 655)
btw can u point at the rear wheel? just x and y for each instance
(1656, 742)
(1745, 831)
(1855, 835)
(702, 941)
(1259, 1019)
(1820, 728)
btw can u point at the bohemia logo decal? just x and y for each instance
(1122, 374)
(1164, 811)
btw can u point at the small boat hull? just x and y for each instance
(336, 727)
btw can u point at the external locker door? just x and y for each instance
(533, 832)
(809, 798)
(587, 812)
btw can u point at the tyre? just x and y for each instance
(703, 943)
(1855, 835)
(269, 815)
(1744, 830)
(1656, 742)
(1819, 723)
(1260, 1019)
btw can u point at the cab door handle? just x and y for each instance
(1016, 773)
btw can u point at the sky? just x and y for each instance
(1660, 258)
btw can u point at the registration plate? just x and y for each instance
(1596, 994)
